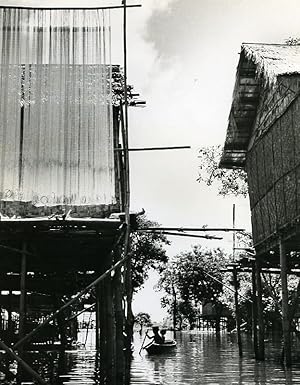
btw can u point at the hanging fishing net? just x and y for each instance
(55, 108)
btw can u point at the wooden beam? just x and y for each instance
(153, 148)
(190, 235)
(260, 316)
(182, 229)
(22, 318)
(71, 8)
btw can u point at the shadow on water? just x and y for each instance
(198, 359)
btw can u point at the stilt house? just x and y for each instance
(60, 176)
(263, 137)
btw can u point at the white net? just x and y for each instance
(56, 107)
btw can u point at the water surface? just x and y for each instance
(199, 358)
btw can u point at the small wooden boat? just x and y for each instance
(155, 348)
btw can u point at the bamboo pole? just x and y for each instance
(20, 251)
(174, 310)
(119, 317)
(103, 331)
(260, 315)
(9, 322)
(80, 312)
(285, 308)
(75, 298)
(153, 148)
(97, 315)
(22, 363)
(237, 313)
(190, 235)
(72, 8)
(110, 330)
(22, 318)
(128, 276)
(235, 283)
(254, 311)
(182, 229)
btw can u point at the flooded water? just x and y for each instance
(202, 359)
(199, 358)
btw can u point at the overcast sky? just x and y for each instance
(182, 58)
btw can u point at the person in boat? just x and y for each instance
(163, 335)
(157, 338)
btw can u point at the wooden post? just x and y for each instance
(285, 315)
(97, 315)
(9, 321)
(103, 332)
(22, 318)
(174, 311)
(254, 311)
(237, 313)
(260, 316)
(129, 321)
(110, 322)
(22, 363)
(119, 317)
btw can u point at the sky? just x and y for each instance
(182, 59)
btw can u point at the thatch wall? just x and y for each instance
(273, 167)
(263, 136)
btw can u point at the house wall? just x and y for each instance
(273, 160)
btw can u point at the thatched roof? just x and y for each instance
(258, 64)
(273, 60)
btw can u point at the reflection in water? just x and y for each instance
(202, 359)
(198, 359)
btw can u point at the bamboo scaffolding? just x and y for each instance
(22, 363)
(77, 297)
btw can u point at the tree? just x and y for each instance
(148, 252)
(142, 319)
(195, 277)
(229, 181)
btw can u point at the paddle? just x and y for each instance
(146, 335)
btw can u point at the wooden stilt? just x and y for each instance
(237, 313)
(103, 333)
(254, 311)
(75, 298)
(22, 319)
(9, 321)
(97, 315)
(110, 322)
(119, 317)
(260, 316)
(22, 363)
(285, 315)
(174, 311)
(128, 323)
